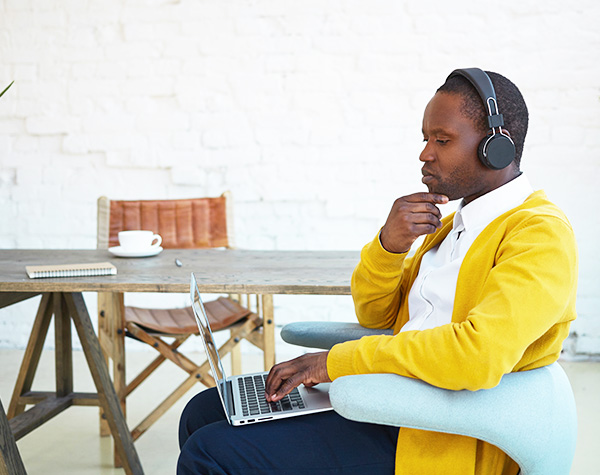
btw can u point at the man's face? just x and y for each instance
(451, 166)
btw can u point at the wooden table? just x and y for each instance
(217, 271)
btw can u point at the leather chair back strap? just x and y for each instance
(189, 223)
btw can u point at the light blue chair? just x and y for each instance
(529, 415)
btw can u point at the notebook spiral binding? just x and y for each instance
(71, 270)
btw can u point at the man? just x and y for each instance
(491, 290)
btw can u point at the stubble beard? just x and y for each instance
(459, 184)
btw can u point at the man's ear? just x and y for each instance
(504, 131)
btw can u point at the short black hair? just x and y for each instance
(510, 104)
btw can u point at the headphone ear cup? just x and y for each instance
(496, 152)
(481, 153)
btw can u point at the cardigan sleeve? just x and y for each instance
(530, 287)
(376, 286)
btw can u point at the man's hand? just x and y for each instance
(310, 369)
(411, 216)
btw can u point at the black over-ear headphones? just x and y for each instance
(496, 151)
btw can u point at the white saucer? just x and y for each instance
(121, 252)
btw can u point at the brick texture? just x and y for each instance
(309, 112)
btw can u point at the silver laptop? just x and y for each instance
(243, 396)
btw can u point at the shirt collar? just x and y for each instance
(483, 210)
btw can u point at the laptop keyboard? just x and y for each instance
(252, 392)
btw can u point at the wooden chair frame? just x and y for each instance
(258, 329)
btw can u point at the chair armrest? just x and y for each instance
(529, 415)
(325, 334)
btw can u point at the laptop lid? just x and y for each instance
(212, 354)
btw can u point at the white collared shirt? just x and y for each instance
(431, 298)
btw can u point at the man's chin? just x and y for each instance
(435, 189)
(431, 187)
(440, 190)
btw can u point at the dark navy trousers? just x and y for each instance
(323, 443)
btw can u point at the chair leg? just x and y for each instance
(236, 359)
(164, 406)
(153, 366)
(143, 375)
(268, 332)
(162, 347)
(263, 306)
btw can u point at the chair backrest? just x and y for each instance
(184, 223)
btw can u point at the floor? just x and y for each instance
(69, 443)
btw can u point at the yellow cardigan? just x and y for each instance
(515, 299)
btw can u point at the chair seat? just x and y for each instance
(222, 313)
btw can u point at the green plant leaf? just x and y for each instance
(2, 93)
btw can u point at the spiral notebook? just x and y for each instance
(71, 270)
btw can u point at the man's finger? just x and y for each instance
(425, 207)
(422, 229)
(425, 218)
(426, 197)
(278, 373)
(286, 388)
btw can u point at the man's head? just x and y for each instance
(510, 104)
(454, 123)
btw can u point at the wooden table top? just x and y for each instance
(217, 271)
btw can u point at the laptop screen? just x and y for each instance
(212, 353)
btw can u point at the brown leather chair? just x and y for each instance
(187, 223)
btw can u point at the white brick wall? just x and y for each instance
(310, 112)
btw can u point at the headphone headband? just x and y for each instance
(483, 84)
(498, 150)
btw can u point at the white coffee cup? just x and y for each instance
(139, 240)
